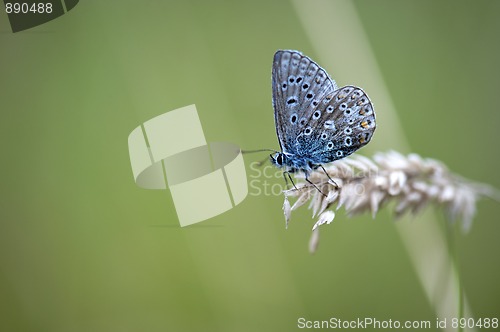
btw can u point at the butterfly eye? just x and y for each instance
(315, 103)
(278, 159)
(298, 80)
(293, 119)
(305, 86)
(340, 153)
(348, 131)
(308, 131)
(291, 79)
(329, 146)
(329, 109)
(309, 96)
(303, 121)
(291, 100)
(343, 106)
(316, 115)
(347, 111)
(283, 86)
(324, 136)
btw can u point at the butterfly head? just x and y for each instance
(278, 159)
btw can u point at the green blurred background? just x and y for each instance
(82, 248)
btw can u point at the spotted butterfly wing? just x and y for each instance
(299, 84)
(342, 123)
(316, 122)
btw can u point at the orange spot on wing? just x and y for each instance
(364, 124)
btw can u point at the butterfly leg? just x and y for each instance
(329, 178)
(307, 179)
(286, 180)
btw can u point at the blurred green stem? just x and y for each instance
(453, 232)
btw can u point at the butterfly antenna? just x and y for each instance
(260, 150)
(259, 163)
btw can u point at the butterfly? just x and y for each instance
(316, 122)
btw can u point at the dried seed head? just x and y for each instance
(366, 185)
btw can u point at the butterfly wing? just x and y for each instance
(343, 122)
(299, 85)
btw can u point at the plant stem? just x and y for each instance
(452, 237)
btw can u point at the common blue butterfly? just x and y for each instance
(316, 122)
